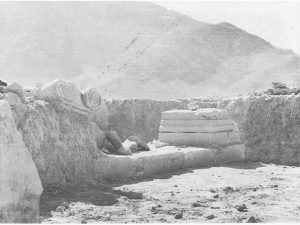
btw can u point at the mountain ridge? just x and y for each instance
(136, 49)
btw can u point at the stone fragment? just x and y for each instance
(91, 98)
(278, 85)
(141, 144)
(130, 145)
(281, 91)
(192, 106)
(62, 90)
(114, 138)
(123, 151)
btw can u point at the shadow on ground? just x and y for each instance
(105, 195)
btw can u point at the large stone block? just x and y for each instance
(62, 90)
(200, 139)
(196, 129)
(176, 123)
(20, 185)
(68, 95)
(200, 114)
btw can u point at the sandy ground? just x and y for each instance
(239, 192)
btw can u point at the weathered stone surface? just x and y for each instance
(91, 98)
(142, 146)
(20, 184)
(269, 127)
(200, 114)
(139, 117)
(196, 122)
(130, 145)
(167, 158)
(61, 141)
(67, 92)
(196, 129)
(200, 139)
(88, 102)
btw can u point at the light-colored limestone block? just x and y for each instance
(20, 185)
(200, 114)
(196, 129)
(200, 139)
(67, 92)
(176, 123)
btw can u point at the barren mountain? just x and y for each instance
(136, 49)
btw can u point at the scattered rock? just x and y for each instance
(196, 204)
(212, 191)
(142, 146)
(84, 221)
(252, 219)
(228, 189)
(192, 106)
(179, 215)
(216, 196)
(131, 146)
(66, 205)
(60, 209)
(210, 217)
(241, 208)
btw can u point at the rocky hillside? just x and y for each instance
(135, 49)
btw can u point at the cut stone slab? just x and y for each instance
(176, 123)
(196, 129)
(200, 114)
(200, 139)
(20, 184)
(164, 159)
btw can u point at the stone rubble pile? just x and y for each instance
(202, 128)
(279, 88)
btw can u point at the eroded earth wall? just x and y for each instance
(139, 117)
(269, 126)
(60, 141)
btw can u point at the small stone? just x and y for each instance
(84, 221)
(216, 196)
(60, 209)
(196, 204)
(179, 215)
(252, 219)
(66, 205)
(241, 208)
(210, 217)
(228, 189)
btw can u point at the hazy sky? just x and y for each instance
(276, 22)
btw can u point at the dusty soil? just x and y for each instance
(239, 192)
